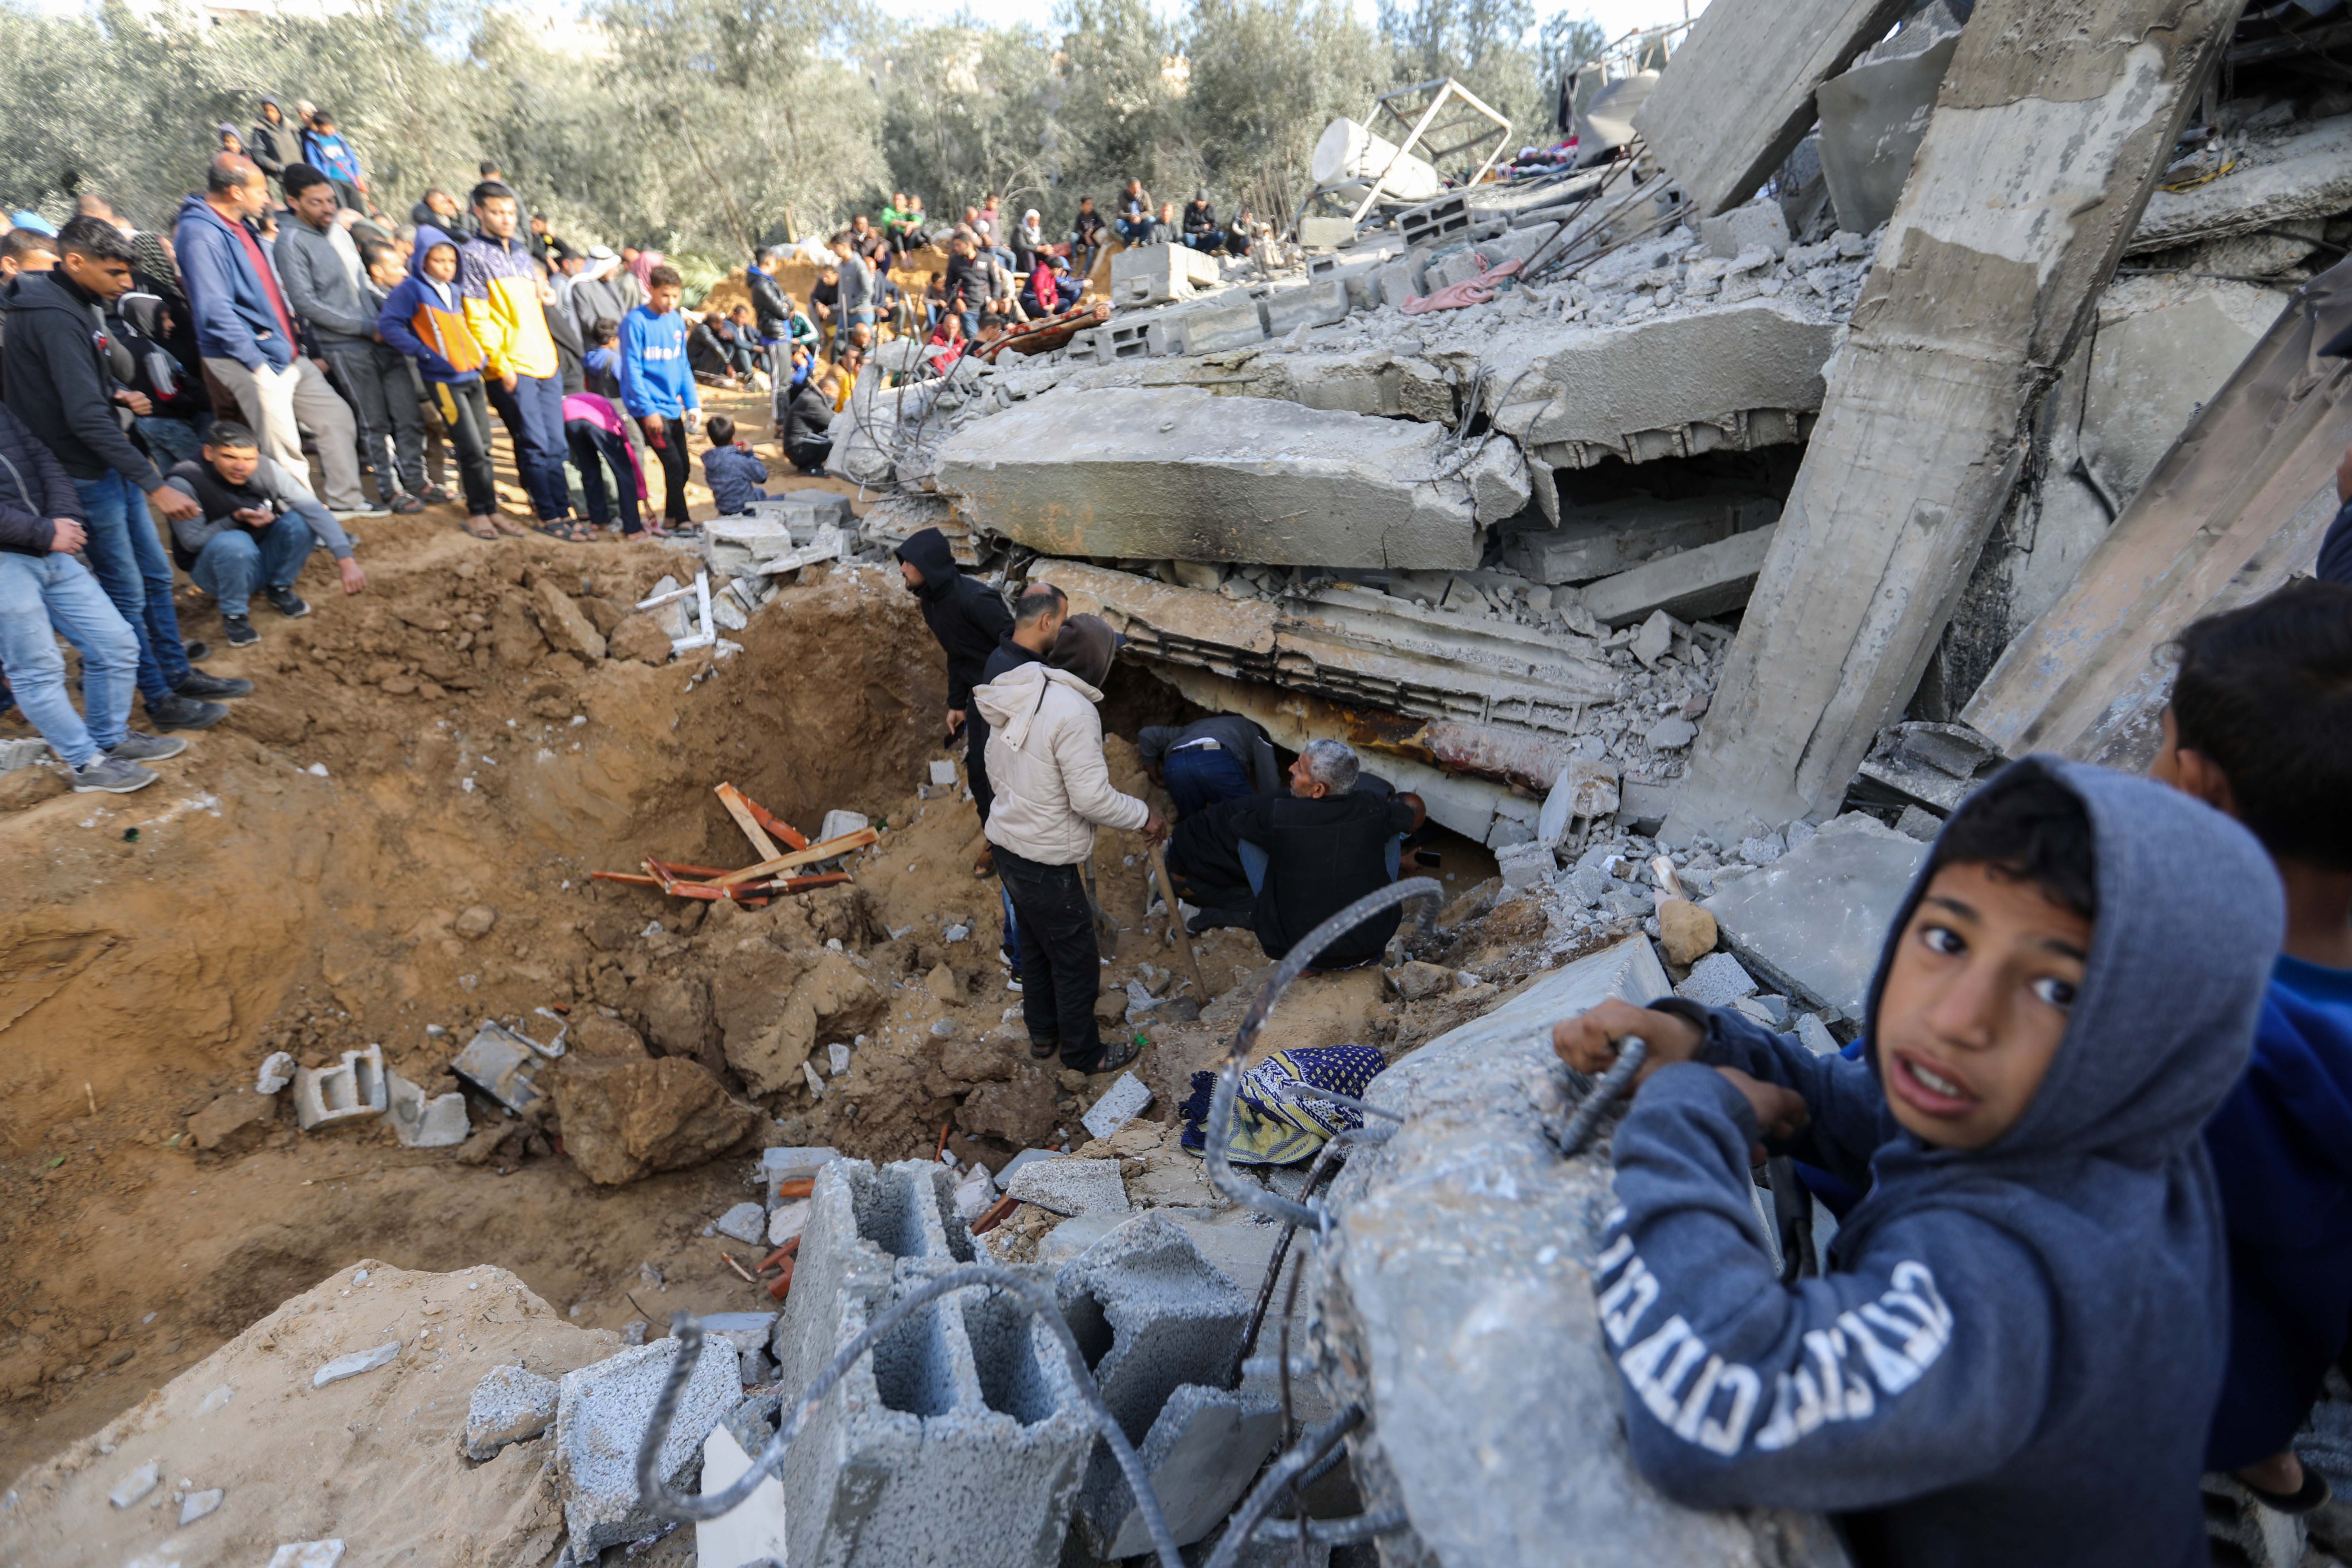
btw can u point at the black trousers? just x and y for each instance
(1061, 968)
(675, 463)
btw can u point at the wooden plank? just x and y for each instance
(741, 810)
(1738, 97)
(808, 856)
(2050, 130)
(792, 835)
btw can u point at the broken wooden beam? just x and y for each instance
(808, 856)
(741, 810)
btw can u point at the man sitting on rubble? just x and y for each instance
(255, 525)
(1222, 757)
(1311, 854)
(2260, 728)
(2019, 1333)
(1053, 791)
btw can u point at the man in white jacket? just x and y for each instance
(1053, 790)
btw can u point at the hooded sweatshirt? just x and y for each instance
(326, 288)
(1045, 764)
(2013, 1353)
(34, 490)
(59, 367)
(500, 288)
(272, 147)
(968, 616)
(232, 290)
(426, 320)
(656, 379)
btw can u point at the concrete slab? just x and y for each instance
(2309, 175)
(1917, 451)
(1741, 376)
(600, 1415)
(1156, 274)
(1070, 1186)
(438, 1122)
(1457, 1291)
(754, 1530)
(1617, 536)
(1813, 923)
(510, 1405)
(1176, 473)
(1737, 96)
(1202, 1454)
(1690, 585)
(1873, 116)
(1121, 1104)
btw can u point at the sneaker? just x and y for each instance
(346, 513)
(110, 775)
(197, 652)
(406, 505)
(288, 602)
(202, 686)
(176, 712)
(237, 631)
(135, 747)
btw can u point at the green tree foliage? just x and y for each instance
(713, 125)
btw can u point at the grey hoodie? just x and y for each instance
(326, 288)
(2015, 1352)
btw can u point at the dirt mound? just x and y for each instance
(372, 1460)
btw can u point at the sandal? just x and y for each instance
(568, 531)
(1116, 1055)
(1044, 1050)
(508, 526)
(479, 527)
(2312, 1496)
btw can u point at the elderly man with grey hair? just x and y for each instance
(1318, 849)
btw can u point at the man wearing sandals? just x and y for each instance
(1053, 790)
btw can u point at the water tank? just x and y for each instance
(1348, 157)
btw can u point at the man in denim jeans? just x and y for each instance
(44, 592)
(63, 383)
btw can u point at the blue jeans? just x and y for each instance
(594, 450)
(1200, 776)
(43, 598)
(127, 558)
(172, 440)
(235, 562)
(533, 412)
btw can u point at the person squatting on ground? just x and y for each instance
(327, 288)
(46, 593)
(2012, 1349)
(257, 525)
(1311, 854)
(1053, 790)
(731, 469)
(424, 318)
(658, 386)
(499, 288)
(62, 380)
(2260, 728)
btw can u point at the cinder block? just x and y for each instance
(1202, 1453)
(510, 1405)
(1127, 340)
(1151, 1315)
(1446, 217)
(960, 1438)
(1227, 320)
(1311, 304)
(439, 1122)
(1325, 233)
(732, 543)
(497, 1062)
(350, 1091)
(1402, 278)
(1523, 865)
(601, 1412)
(1158, 274)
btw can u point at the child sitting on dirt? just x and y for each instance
(2260, 727)
(2021, 1330)
(733, 470)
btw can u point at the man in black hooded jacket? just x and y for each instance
(274, 143)
(967, 616)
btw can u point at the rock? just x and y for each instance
(628, 1120)
(1670, 734)
(597, 1035)
(510, 1405)
(306, 1554)
(1655, 639)
(1716, 980)
(639, 637)
(1917, 822)
(475, 921)
(1110, 1008)
(677, 1013)
(989, 1058)
(515, 639)
(235, 1123)
(602, 614)
(1684, 930)
(601, 1415)
(1456, 1289)
(136, 1484)
(833, 997)
(277, 1072)
(1416, 980)
(746, 1223)
(562, 623)
(196, 1505)
(941, 982)
(1022, 1110)
(355, 1364)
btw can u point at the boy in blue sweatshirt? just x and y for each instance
(733, 470)
(2260, 727)
(2016, 1346)
(657, 384)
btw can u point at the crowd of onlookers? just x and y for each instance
(189, 376)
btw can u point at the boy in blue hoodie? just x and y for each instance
(658, 386)
(2260, 727)
(2016, 1346)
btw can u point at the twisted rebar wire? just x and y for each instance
(1631, 1053)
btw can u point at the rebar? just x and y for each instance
(1631, 1053)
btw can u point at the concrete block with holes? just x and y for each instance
(1162, 1330)
(960, 1437)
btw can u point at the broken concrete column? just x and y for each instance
(1737, 96)
(2305, 176)
(1873, 116)
(2241, 500)
(1689, 586)
(2053, 124)
(1455, 1292)
(1175, 472)
(959, 1437)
